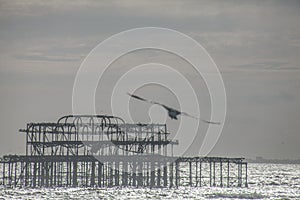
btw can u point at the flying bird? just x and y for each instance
(173, 113)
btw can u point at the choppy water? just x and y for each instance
(266, 181)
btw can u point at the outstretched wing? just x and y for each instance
(157, 103)
(169, 109)
(172, 111)
(137, 97)
(210, 122)
(188, 115)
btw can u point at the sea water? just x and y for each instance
(266, 181)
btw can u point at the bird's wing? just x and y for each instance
(155, 102)
(137, 97)
(169, 109)
(149, 101)
(188, 115)
(210, 122)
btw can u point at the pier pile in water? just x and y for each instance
(104, 151)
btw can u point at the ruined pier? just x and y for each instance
(104, 151)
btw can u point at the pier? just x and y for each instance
(104, 151)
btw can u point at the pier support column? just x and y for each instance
(246, 171)
(158, 174)
(9, 174)
(177, 174)
(152, 181)
(27, 166)
(214, 173)
(200, 174)
(15, 175)
(51, 174)
(165, 174)
(171, 173)
(228, 174)
(3, 173)
(117, 165)
(75, 183)
(111, 176)
(196, 173)
(55, 173)
(239, 174)
(125, 174)
(93, 173)
(100, 174)
(210, 174)
(134, 173)
(140, 174)
(221, 174)
(42, 174)
(190, 167)
(47, 174)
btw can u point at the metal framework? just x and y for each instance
(104, 151)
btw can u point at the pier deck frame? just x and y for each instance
(88, 171)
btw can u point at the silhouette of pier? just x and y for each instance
(104, 151)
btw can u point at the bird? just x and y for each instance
(173, 113)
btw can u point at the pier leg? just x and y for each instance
(152, 181)
(86, 173)
(200, 174)
(117, 173)
(47, 174)
(196, 173)
(239, 174)
(228, 174)
(125, 174)
(51, 174)
(93, 173)
(3, 173)
(214, 173)
(9, 173)
(246, 178)
(140, 174)
(100, 168)
(165, 175)
(171, 174)
(148, 174)
(158, 174)
(42, 174)
(190, 166)
(210, 174)
(111, 177)
(221, 174)
(15, 175)
(134, 174)
(177, 175)
(75, 183)
(55, 173)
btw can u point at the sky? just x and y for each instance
(255, 44)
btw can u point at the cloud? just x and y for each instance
(38, 56)
(267, 65)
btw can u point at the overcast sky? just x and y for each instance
(256, 45)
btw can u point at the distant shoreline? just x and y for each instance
(274, 161)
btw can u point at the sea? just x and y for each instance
(266, 181)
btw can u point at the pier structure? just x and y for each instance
(104, 151)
